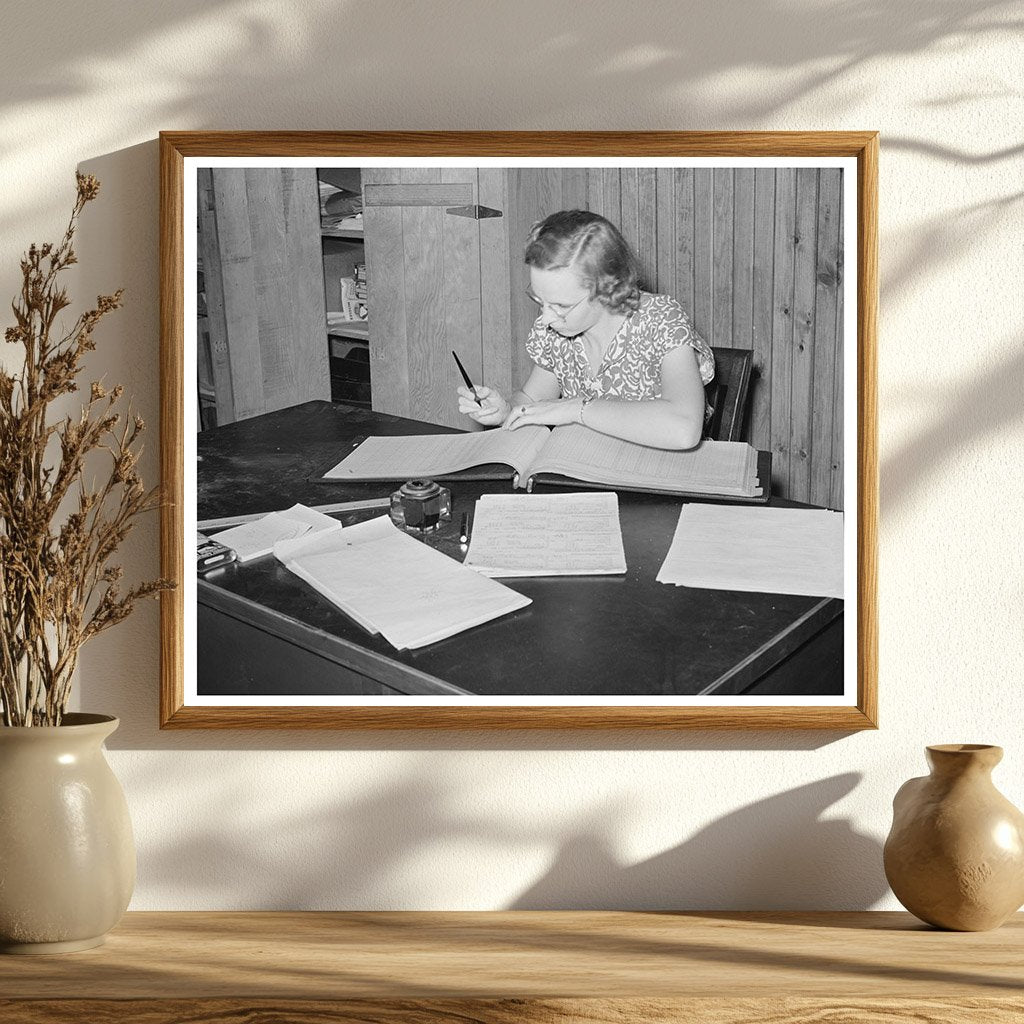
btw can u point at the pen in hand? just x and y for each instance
(465, 377)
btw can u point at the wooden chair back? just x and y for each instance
(727, 393)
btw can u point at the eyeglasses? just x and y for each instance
(560, 310)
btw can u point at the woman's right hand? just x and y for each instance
(492, 410)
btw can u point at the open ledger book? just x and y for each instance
(536, 454)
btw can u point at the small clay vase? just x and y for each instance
(955, 854)
(67, 856)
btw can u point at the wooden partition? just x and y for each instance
(755, 257)
(259, 240)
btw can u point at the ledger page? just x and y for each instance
(713, 467)
(547, 535)
(417, 455)
(765, 550)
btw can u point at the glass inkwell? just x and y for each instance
(421, 506)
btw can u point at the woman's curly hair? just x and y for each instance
(595, 249)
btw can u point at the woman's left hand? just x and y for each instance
(551, 414)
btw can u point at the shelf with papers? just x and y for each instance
(339, 232)
(338, 328)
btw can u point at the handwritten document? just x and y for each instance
(547, 535)
(397, 586)
(766, 550)
(252, 540)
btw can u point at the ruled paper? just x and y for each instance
(399, 587)
(714, 467)
(546, 535)
(403, 458)
(765, 550)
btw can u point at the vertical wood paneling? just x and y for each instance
(782, 328)
(385, 275)
(684, 269)
(665, 226)
(238, 274)
(721, 256)
(763, 316)
(703, 240)
(611, 198)
(274, 304)
(575, 188)
(825, 340)
(743, 258)
(548, 197)
(299, 193)
(462, 305)
(424, 255)
(268, 254)
(537, 193)
(595, 191)
(629, 205)
(805, 256)
(213, 277)
(525, 202)
(838, 458)
(497, 341)
(647, 226)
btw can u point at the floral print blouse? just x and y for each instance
(631, 367)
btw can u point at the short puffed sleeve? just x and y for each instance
(669, 326)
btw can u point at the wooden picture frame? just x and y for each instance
(182, 157)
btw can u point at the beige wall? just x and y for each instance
(628, 820)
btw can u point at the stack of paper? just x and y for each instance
(766, 550)
(251, 540)
(547, 535)
(397, 586)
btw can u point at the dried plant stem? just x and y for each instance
(58, 586)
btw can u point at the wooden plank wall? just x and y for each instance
(424, 271)
(755, 257)
(260, 241)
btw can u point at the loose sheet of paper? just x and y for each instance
(251, 540)
(546, 535)
(766, 550)
(399, 587)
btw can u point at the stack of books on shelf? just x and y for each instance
(352, 306)
(362, 293)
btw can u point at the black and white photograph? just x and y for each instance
(546, 440)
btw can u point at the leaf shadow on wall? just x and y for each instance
(777, 853)
(734, 65)
(989, 405)
(407, 843)
(312, 66)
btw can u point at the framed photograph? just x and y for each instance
(362, 332)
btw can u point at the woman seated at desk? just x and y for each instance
(619, 360)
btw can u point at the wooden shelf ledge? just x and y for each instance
(524, 966)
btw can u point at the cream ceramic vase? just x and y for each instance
(955, 855)
(67, 855)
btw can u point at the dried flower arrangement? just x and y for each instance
(58, 588)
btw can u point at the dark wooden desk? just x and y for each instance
(545, 967)
(260, 627)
